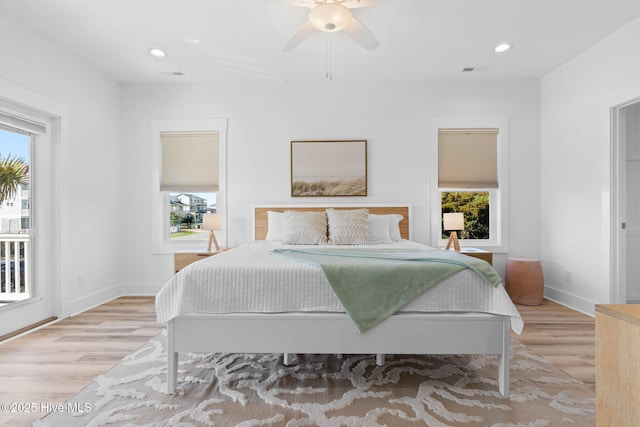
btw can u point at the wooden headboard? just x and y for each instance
(261, 220)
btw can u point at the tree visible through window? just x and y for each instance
(475, 207)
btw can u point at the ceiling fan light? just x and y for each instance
(329, 17)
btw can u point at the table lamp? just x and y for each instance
(212, 222)
(453, 222)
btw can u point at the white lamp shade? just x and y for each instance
(212, 221)
(453, 221)
(329, 17)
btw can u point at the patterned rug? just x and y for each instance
(248, 390)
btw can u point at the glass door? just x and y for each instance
(15, 216)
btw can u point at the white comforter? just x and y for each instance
(250, 279)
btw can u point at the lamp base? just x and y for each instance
(212, 238)
(453, 238)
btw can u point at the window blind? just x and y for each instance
(190, 161)
(13, 123)
(468, 158)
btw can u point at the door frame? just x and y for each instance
(618, 252)
(23, 102)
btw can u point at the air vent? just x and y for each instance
(468, 69)
(172, 73)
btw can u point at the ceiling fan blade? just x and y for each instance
(300, 36)
(361, 34)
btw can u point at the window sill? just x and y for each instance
(496, 249)
(14, 304)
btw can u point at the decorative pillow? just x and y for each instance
(377, 224)
(348, 227)
(394, 226)
(305, 228)
(275, 226)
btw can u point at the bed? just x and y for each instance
(211, 297)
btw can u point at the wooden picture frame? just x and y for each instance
(336, 168)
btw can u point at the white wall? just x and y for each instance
(264, 117)
(89, 162)
(575, 165)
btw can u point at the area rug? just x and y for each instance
(248, 390)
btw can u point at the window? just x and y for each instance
(190, 163)
(190, 181)
(16, 137)
(469, 176)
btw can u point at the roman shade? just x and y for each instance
(190, 161)
(467, 158)
(15, 123)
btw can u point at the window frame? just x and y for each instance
(162, 244)
(498, 206)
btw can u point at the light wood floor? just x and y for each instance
(50, 365)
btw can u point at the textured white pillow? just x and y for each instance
(305, 228)
(377, 224)
(275, 226)
(348, 227)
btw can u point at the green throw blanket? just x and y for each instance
(372, 284)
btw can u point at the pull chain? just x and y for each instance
(328, 64)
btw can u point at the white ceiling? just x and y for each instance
(243, 39)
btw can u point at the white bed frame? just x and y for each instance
(334, 333)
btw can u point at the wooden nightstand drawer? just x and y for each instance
(478, 253)
(183, 258)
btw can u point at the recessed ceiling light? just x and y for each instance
(502, 47)
(158, 53)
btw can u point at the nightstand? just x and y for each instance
(478, 253)
(183, 258)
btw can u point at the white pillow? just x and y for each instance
(275, 226)
(305, 228)
(348, 226)
(394, 226)
(377, 224)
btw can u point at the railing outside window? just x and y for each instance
(14, 272)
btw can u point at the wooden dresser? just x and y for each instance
(618, 365)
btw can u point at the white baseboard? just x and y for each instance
(84, 303)
(569, 300)
(102, 296)
(140, 289)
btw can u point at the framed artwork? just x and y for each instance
(328, 168)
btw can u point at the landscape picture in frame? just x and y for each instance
(328, 168)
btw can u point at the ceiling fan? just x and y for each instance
(331, 16)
